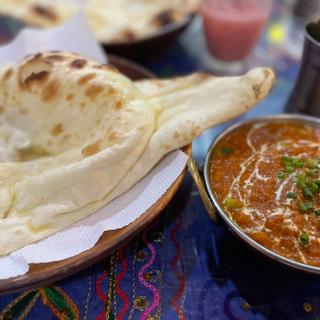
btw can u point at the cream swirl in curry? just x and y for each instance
(266, 175)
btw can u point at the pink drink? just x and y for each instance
(233, 27)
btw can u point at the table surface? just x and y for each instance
(183, 266)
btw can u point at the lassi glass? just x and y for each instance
(232, 29)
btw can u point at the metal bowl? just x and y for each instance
(201, 178)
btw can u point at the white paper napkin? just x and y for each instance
(84, 234)
(117, 214)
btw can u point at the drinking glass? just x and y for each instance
(232, 29)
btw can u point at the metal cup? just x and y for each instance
(305, 97)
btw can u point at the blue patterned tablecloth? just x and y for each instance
(183, 266)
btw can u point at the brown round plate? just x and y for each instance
(133, 70)
(46, 273)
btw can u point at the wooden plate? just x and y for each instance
(46, 273)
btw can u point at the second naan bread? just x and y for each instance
(112, 21)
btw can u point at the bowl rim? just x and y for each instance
(232, 225)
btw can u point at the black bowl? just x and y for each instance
(152, 44)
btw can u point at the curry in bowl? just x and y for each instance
(265, 177)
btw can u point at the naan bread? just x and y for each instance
(39, 13)
(112, 21)
(116, 21)
(74, 135)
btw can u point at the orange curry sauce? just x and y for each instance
(266, 176)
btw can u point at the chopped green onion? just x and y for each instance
(286, 159)
(289, 169)
(311, 173)
(304, 239)
(232, 203)
(305, 206)
(292, 162)
(313, 187)
(301, 180)
(291, 195)
(280, 175)
(307, 192)
(311, 163)
(297, 163)
(227, 150)
(308, 205)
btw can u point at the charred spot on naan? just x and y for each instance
(57, 129)
(1, 109)
(166, 17)
(38, 78)
(50, 91)
(109, 67)
(91, 149)
(119, 104)
(55, 57)
(34, 71)
(126, 35)
(257, 88)
(78, 63)
(94, 90)
(86, 78)
(111, 91)
(44, 12)
(205, 76)
(69, 97)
